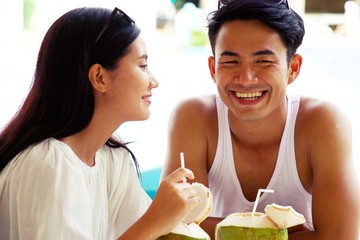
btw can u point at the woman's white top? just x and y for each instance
(47, 192)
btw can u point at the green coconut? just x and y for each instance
(185, 231)
(244, 226)
(189, 229)
(246, 233)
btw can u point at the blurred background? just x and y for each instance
(175, 33)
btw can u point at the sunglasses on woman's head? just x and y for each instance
(110, 19)
(223, 3)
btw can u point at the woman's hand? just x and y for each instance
(173, 201)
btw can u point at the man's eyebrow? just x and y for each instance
(257, 53)
(263, 52)
(229, 53)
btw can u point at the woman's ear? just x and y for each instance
(98, 77)
(295, 66)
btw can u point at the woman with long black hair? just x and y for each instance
(64, 174)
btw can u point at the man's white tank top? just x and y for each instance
(226, 188)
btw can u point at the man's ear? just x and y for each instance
(294, 67)
(211, 64)
(98, 77)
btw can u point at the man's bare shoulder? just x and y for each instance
(314, 111)
(199, 107)
(319, 121)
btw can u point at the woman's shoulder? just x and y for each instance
(42, 156)
(38, 151)
(39, 164)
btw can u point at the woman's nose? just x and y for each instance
(154, 83)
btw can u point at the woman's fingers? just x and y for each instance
(173, 201)
(179, 174)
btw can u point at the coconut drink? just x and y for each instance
(189, 229)
(271, 225)
(244, 226)
(185, 231)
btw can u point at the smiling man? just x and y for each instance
(253, 134)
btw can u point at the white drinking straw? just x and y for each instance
(257, 198)
(182, 163)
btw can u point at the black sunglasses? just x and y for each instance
(110, 19)
(223, 3)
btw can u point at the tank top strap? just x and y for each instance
(224, 145)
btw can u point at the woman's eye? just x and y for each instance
(144, 66)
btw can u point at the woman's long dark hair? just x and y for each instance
(61, 102)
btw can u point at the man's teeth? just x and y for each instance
(248, 96)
